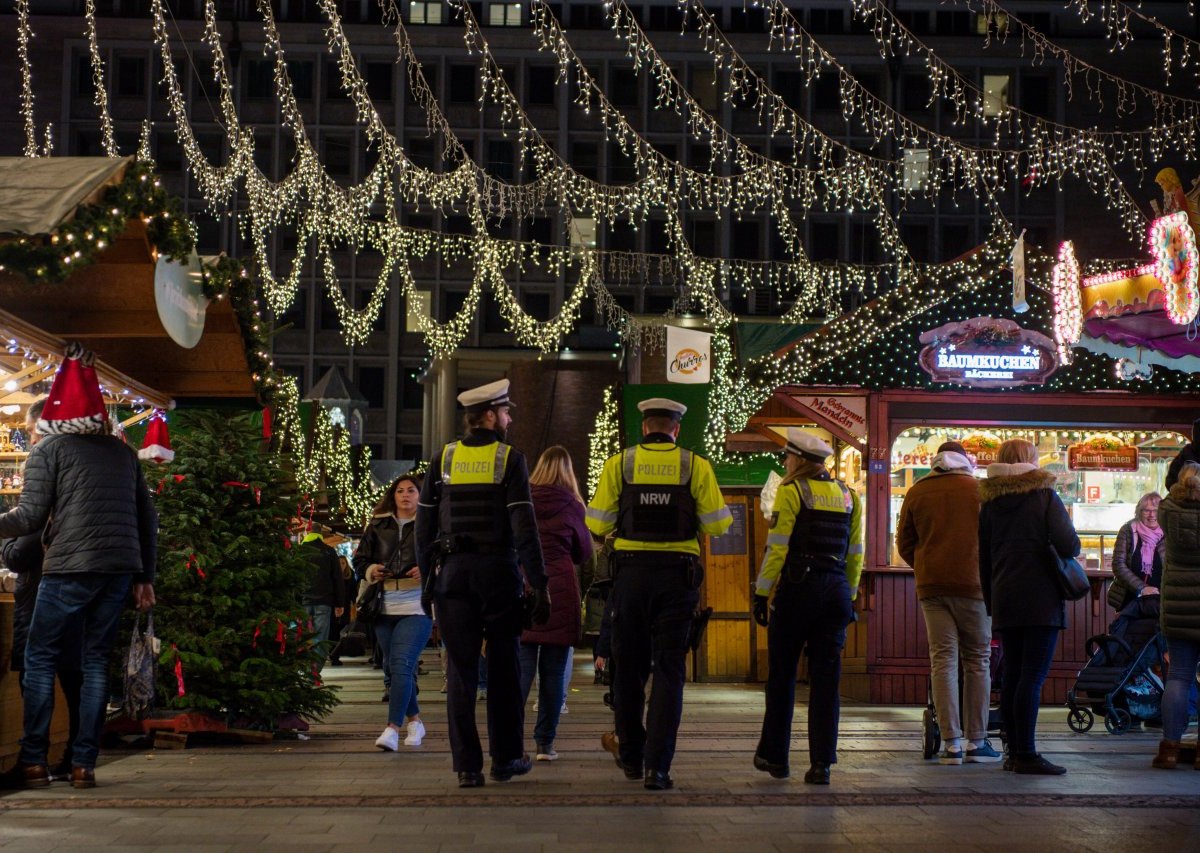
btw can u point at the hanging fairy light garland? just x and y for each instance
(1116, 16)
(100, 94)
(24, 34)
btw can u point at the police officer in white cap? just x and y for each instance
(658, 498)
(813, 561)
(475, 524)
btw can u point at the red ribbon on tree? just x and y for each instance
(280, 637)
(234, 484)
(254, 639)
(178, 671)
(268, 418)
(179, 478)
(194, 563)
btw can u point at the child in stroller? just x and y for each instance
(1122, 679)
(931, 730)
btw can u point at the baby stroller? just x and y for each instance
(932, 731)
(1122, 677)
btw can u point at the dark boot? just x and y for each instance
(1168, 755)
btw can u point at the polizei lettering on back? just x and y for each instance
(655, 498)
(472, 467)
(648, 470)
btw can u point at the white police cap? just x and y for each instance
(486, 397)
(661, 407)
(806, 445)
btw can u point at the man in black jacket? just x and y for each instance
(1189, 453)
(326, 593)
(23, 556)
(101, 540)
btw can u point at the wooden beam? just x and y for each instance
(75, 323)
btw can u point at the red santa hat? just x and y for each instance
(74, 405)
(157, 443)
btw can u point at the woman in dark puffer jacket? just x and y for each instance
(566, 543)
(1179, 516)
(1019, 519)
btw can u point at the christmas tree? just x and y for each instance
(236, 641)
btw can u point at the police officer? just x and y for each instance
(813, 561)
(474, 520)
(657, 497)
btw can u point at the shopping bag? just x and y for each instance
(141, 665)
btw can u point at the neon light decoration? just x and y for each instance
(1173, 243)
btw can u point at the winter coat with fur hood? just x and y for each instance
(938, 533)
(1019, 517)
(1179, 516)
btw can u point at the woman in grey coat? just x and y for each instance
(1179, 516)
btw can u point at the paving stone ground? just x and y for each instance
(336, 791)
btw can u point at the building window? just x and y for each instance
(825, 241)
(916, 169)
(371, 382)
(991, 23)
(665, 18)
(623, 87)
(335, 154)
(300, 72)
(953, 23)
(916, 237)
(421, 152)
(915, 92)
(587, 16)
(425, 11)
(704, 239)
(540, 229)
(995, 95)
(379, 80)
(131, 77)
(1035, 94)
(260, 79)
(747, 238)
(500, 159)
(704, 88)
(85, 81)
(825, 21)
(462, 83)
(585, 158)
(541, 85)
(504, 14)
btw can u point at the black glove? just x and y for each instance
(762, 613)
(539, 614)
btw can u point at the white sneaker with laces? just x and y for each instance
(546, 753)
(416, 731)
(389, 740)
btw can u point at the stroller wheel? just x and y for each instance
(931, 734)
(1118, 721)
(1081, 719)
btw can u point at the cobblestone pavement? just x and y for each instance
(336, 791)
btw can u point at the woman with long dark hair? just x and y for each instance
(387, 555)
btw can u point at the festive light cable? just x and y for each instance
(100, 95)
(604, 440)
(1068, 313)
(24, 34)
(1116, 16)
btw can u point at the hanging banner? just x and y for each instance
(689, 355)
(840, 410)
(1020, 305)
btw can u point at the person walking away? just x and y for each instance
(102, 541)
(325, 596)
(1179, 516)
(938, 535)
(566, 542)
(474, 519)
(1020, 517)
(658, 497)
(813, 562)
(23, 556)
(349, 591)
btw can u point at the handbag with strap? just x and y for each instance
(370, 601)
(1072, 580)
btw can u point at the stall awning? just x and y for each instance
(109, 306)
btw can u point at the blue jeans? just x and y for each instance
(321, 615)
(403, 638)
(1181, 678)
(1027, 656)
(549, 663)
(93, 603)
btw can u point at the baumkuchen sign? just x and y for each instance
(987, 352)
(1102, 453)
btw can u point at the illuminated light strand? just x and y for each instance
(100, 96)
(24, 34)
(1068, 312)
(1119, 274)
(604, 440)
(1180, 291)
(1116, 15)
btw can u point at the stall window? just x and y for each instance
(1100, 474)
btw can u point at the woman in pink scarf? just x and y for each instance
(1137, 555)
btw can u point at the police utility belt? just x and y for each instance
(689, 564)
(797, 574)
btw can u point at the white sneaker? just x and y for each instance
(389, 740)
(546, 753)
(416, 731)
(563, 710)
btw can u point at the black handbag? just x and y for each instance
(1072, 580)
(370, 601)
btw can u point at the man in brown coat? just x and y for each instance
(938, 535)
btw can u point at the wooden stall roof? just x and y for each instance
(109, 306)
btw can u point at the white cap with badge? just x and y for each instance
(806, 445)
(486, 397)
(661, 407)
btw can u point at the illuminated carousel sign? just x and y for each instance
(987, 353)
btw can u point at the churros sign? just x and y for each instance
(689, 355)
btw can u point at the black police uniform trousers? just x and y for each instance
(477, 597)
(812, 613)
(654, 597)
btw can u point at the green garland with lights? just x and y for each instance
(75, 243)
